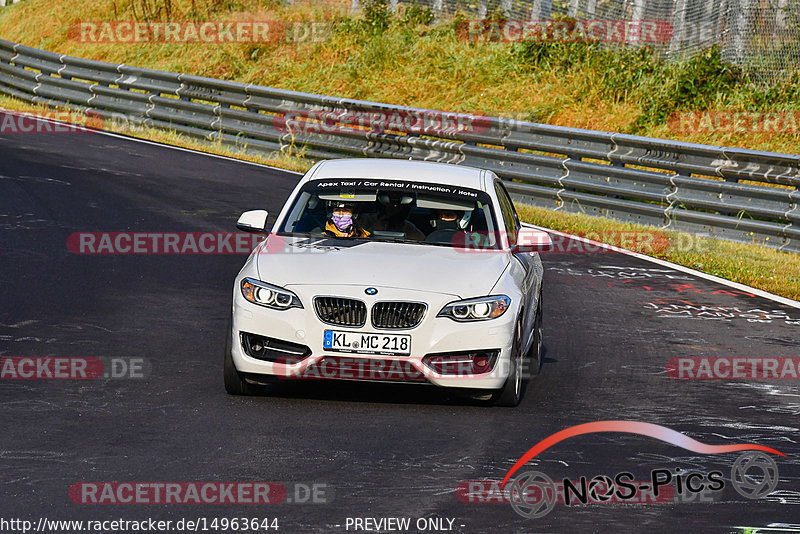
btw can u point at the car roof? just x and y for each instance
(400, 169)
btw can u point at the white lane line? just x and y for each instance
(676, 267)
(145, 141)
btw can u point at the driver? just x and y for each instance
(447, 225)
(447, 220)
(341, 222)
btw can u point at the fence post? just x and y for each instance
(574, 6)
(738, 29)
(541, 9)
(780, 17)
(638, 9)
(678, 27)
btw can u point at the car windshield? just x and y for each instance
(382, 210)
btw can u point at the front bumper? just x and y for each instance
(301, 328)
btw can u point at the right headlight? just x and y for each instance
(480, 309)
(264, 294)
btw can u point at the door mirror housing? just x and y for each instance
(253, 221)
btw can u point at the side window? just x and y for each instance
(510, 220)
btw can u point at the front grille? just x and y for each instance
(397, 314)
(341, 311)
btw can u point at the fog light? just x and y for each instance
(461, 363)
(480, 363)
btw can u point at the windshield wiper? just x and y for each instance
(395, 240)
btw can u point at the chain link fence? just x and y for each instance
(761, 36)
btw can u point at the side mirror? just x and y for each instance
(252, 221)
(530, 240)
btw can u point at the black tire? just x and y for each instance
(514, 388)
(235, 384)
(533, 359)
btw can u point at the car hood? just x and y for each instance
(292, 261)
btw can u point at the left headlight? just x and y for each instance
(268, 295)
(479, 309)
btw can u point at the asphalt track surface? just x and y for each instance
(611, 324)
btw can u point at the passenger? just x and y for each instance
(342, 221)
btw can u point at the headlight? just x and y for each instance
(476, 309)
(268, 295)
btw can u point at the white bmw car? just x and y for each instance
(390, 270)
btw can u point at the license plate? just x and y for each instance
(367, 343)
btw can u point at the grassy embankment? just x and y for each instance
(409, 59)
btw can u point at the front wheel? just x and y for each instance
(512, 391)
(534, 356)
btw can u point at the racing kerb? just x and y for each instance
(683, 186)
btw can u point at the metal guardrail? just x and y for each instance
(690, 187)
